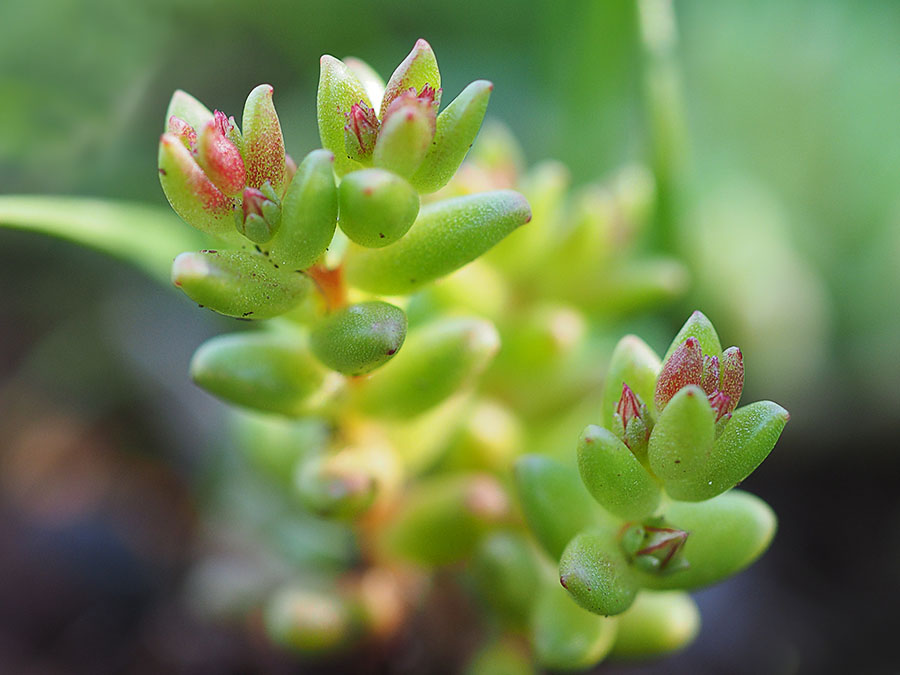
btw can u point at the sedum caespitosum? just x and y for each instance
(422, 340)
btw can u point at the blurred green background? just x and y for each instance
(790, 224)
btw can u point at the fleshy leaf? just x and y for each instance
(334, 485)
(727, 533)
(700, 327)
(732, 378)
(263, 371)
(634, 363)
(658, 623)
(377, 207)
(339, 90)
(683, 437)
(405, 135)
(190, 192)
(746, 441)
(418, 69)
(457, 127)
(596, 574)
(507, 570)
(263, 141)
(185, 107)
(447, 235)
(442, 519)
(437, 361)
(239, 283)
(566, 637)
(308, 214)
(359, 338)
(555, 503)
(372, 82)
(614, 476)
(220, 158)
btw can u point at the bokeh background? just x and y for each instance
(792, 111)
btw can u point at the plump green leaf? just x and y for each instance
(359, 338)
(595, 572)
(457, 127)
(438, 360)
(507, 570)
(405, 137)
(266, 371)
(614, 476)
(414, 72)
(447, 235)
(634, 363)
(726, 534)
(332, 487)
(658, 623)
(239, 283)
(377, 207)
(308, 214)
(442, 519)
(339, 90)
(565, 636)
(683, 437)
(185, 107)
(700, 327)
(747, 440)
(555, 503)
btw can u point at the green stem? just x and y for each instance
(665, 110)
(145, 236)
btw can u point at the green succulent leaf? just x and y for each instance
(595, 572)
(657, 624)
(442, 519)
(506, 570)
(308, 214)
(447, 235)
(614, 476)
(239, 283)
(683, 437)
(377, 207)
(185, 107)
(746, 441)
(332, 488)
(339, 90)
(418, 69)
(266, 371)
(726, 534)
(634, 363)
(437, 361)
(555, 503)
(404, 138)
(457, 127)
(359, 338)
(565, 636)
(700, 327)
